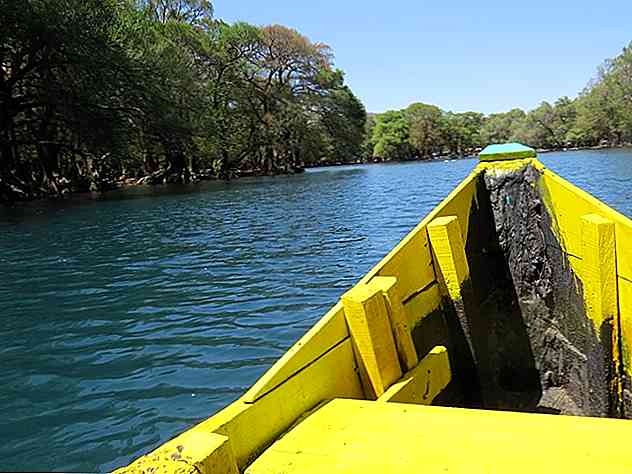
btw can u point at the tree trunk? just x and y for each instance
(49, 160)
(177, 170)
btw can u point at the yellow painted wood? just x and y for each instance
(349, 436)
(568, 203)
(194, 452)
(457, 203)
(250, 427)
(399, 324)
(625, 318)
(599, 272)
(449, 250)
(325, 334)
(411, 264)
(363, 374)
(333, 375)
(422, 304)
(576, 264)
(599, 280)
(313, 371)
(504, 166)
(370, 328)
(423, 383)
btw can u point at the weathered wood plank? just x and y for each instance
(448, 250)
(424, 382)
(599, 271)
(625, 315)
(369, 323)
(193, 452)
(625, 341)
(599, 280)
(324, 335)
(568, 203)
(399, 323)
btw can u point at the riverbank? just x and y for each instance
(208, 175)
(160, 178)
(469, 155)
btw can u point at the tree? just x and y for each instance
(564, 120)
(427, 129)
(157, 90)
(500, 127)
(287, 71)
(60, 99)
(194, 12)
(389, 137)
(344, 119)
(603, 111)
(463, 132)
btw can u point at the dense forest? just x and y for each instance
(99, 92)
(601, 115)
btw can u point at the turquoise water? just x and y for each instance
(129, 318)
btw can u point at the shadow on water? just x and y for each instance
(43, 208)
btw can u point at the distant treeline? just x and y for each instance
(600, 115)
(95, 92)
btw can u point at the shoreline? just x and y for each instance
(132, 183)
(466, 157)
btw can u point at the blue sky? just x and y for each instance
(487, 56)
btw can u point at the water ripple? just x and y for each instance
(129, 319)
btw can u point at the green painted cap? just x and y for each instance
(506, 151)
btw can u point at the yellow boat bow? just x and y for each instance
(508, 308)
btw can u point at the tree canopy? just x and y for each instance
(95, 92)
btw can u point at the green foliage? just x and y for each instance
(92, 91)
(60, 96)
(601, 115)
(344, 119)
(462, 132)
(194, 12)
(422, 131)
(389, 136)
(95, 91)
(500, 128)
(426, 128)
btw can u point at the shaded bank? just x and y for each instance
(94, 92)
(208, 176)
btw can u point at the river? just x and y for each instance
(129, 318)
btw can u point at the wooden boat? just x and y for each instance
(495, 337)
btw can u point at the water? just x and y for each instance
(128, 319)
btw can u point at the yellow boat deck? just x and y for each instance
(357, 436)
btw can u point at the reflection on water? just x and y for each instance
(132, 316)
